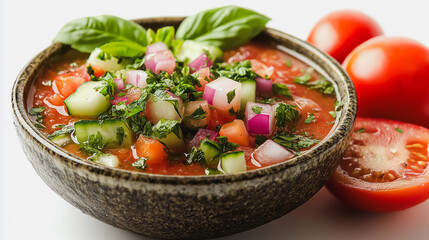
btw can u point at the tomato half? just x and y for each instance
(391, 77)
(385, 168)
(339, 32)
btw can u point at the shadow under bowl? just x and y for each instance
(187, 206)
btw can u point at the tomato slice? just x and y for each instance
(385, 168)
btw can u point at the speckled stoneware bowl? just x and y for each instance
(187, 206)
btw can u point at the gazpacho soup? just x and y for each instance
(181, 106)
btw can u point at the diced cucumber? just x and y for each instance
(114, 132)
(192, 49)
(87, 101)
(248, 93)
(173, 143)
(106, 159)
(62, 140)
(210, 151)
(233, 162)
(106, 61)
(196, 114)
(165, 109)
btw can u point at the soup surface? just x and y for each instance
(288, 110)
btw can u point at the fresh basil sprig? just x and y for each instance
(85, 34)
(225, 27)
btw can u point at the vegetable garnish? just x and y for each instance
(173, 102)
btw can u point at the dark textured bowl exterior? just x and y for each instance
(185, 206)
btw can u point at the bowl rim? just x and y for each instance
(342, 129)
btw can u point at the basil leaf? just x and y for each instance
(124, 49)
(226, 27)
(85, 34)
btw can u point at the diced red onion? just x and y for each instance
(159, 58)
(119, 83)
(118, 99)
(156, 47)
(270, 153)
(264, 86)
(259, 123)
(209, 94)
(201, 135)
(137, 78)
(200, 62)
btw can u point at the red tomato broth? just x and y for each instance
(273, 58)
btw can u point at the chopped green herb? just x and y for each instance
(259, 140)
(218, 127)
(310, 118)
(288, 63)
(165, 127)
(230, 95)
(198, 114)
(285, 113)
(333, 114)
(257, 109)
(237, 71)
(195, 155)
(64, 130)
(121, 94)
(303, 79)
(93, 144)
(39, 126)
(281, 89)
(294, 142)
(360, 130)
(338, 105)
(269, 100)
(120, 134)
(140, 163)
(37, 110)
(212, 171)
(399, 130)
(305, 134)
(237, 114)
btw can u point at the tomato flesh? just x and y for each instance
(385, 168)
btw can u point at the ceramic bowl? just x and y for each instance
(187, 206)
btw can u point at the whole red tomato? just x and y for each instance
(391, 76)
(339, 32)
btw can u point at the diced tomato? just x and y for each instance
(151, 149)
(236, 132)
(203, 76)
(67, 85)
(133, 94)
(261, 69)
(98, 71)
(55, 99)
(218, 118)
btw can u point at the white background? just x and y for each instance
(30, 210)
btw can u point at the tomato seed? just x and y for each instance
(420, 155)
(415, 145)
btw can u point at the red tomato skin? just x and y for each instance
(391, 77)
(402, 194)
(339, 32)
(378, 201)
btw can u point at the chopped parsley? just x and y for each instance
(333, 114)
(322, 85)
(285, 113)
(165, 127)
(195, 155)
(294, 142)
(269, 100)
(259, 140)
(281, 89)
(37, 112)
(310, 118)
(140, 163)
(237, 114)
(64, 130)
(257, 109)
(198, 114)
(288, 63)
(230, 95)
(399, 130)
(93, 144)
(360, 130)
(237, 71)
